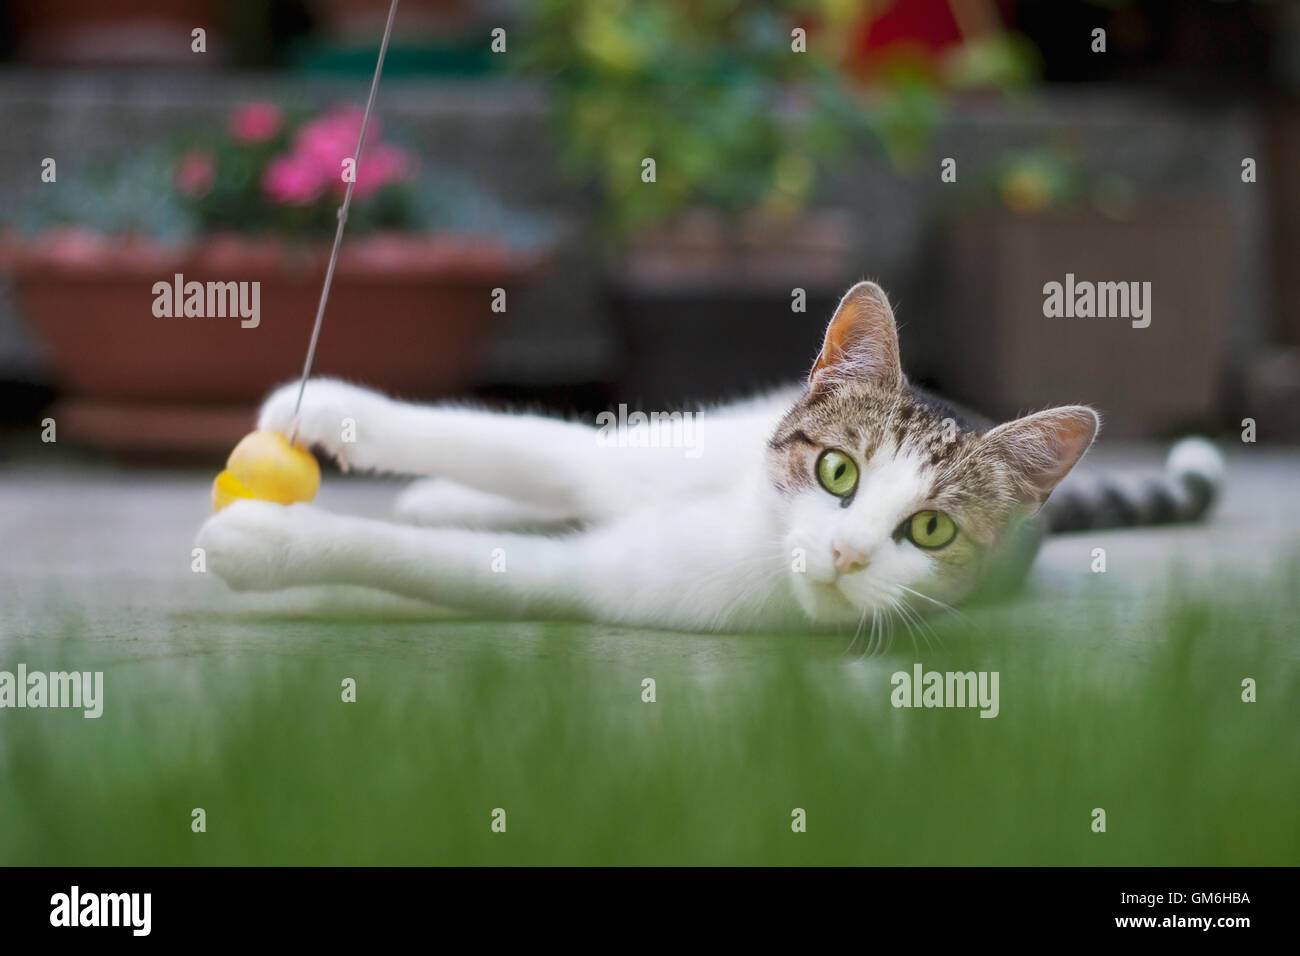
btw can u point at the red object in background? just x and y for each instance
(927, 24)
(920, 30)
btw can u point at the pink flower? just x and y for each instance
(316, 162)
(331, 138)
(380, 166)
(293, 180)
(194, 174)
(255, 122)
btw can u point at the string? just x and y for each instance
(343, 218)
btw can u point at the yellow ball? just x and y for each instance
(266, 467)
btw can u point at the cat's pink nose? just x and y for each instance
(847, 559)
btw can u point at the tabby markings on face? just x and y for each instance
(896, 497)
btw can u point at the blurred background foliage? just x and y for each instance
(205, 181)
(711, 90)
(775, 170)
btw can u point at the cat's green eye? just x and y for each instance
(837, 472)
(930, 529)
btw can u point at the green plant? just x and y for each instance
(274, 174)
(714, 91)
(1049, 177)
(269, 171)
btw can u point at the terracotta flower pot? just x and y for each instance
(406, 314)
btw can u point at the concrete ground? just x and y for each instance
(103, 551)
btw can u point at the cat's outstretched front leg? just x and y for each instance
(557, 466)
(259, 546)
(693, 570)
(542, 461)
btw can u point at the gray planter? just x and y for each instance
(993, 348)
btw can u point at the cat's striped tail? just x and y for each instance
(1187, 490)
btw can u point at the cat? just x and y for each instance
(856, 496)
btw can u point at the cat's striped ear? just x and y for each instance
(861, 342)
(1043, 447)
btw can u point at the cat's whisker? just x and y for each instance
(924, 628)
(857, 632)
(913, 623)
(887, 632)
(920, 618)
(925, 597)
(907, 624)
(937, 603)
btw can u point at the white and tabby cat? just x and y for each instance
(854, 497)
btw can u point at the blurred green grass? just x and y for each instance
(1138, 714)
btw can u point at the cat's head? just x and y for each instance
(891, 497)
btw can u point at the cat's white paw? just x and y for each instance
(334, 417)
(261, 546)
